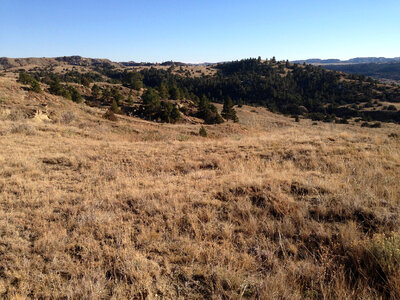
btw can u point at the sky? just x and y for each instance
(197, 31)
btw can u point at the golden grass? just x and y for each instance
(267, 209)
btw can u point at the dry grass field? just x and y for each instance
(264, 209)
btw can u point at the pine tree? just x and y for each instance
(95, 91)
(106, 95)
(130, 98)
(25, 78)
(163, 91)
(116, 95)
(203, 131)
(35, 87)
(151, 103)
(75, 95)
(114, 107)
(228, 112)
(208, 112)
(175, 93)
(85, 81)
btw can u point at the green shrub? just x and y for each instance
(35, 87)
(377, 261)
(114, 107)
(203, 132)
(25, 78)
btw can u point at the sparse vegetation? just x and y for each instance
(264, 209)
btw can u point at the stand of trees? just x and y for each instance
(291, 89)
(153, 108)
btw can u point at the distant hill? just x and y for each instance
(357, 60)
(8, 63)
(382, 71)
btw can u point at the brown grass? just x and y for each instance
(267, 209)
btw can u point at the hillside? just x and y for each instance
(357, 60)
(291, 89)
(267, 208)
(381, 71)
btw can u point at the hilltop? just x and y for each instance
(264, 208)
(357, 60)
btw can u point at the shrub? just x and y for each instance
(374, 125)
(203, 132)
(67, 117)
(377, 261)
(342, 121)
(35, 87)
(114, 107)
(22, 128)
(109, 115)
(75, 95)
(96, 91)
(25, 78)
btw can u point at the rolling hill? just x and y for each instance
(266, 208)
(291, 89)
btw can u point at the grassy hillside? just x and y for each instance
(267, 208)
(305, 91)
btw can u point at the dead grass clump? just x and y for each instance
(16, 115)
(22, 128)
(109, 115)
(377, 262)
(67, 117)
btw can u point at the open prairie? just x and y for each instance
(264, 209)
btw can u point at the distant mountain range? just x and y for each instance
(357, 60)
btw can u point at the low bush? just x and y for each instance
(203, 132)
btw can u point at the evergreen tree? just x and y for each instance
(114, 107)
(96, 91)
(130, 98)
(175, 93)
(203, 131)
(133, 80)
(106, 95)
(25, 78)
(151, 103)
(208, 112)
(163, 91)
(56, 88)
(85, 81)
(75, 95)
(168, 112)
(35, 87)
(228, 112)
(116, 95)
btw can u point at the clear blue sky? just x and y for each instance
(200, 30)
